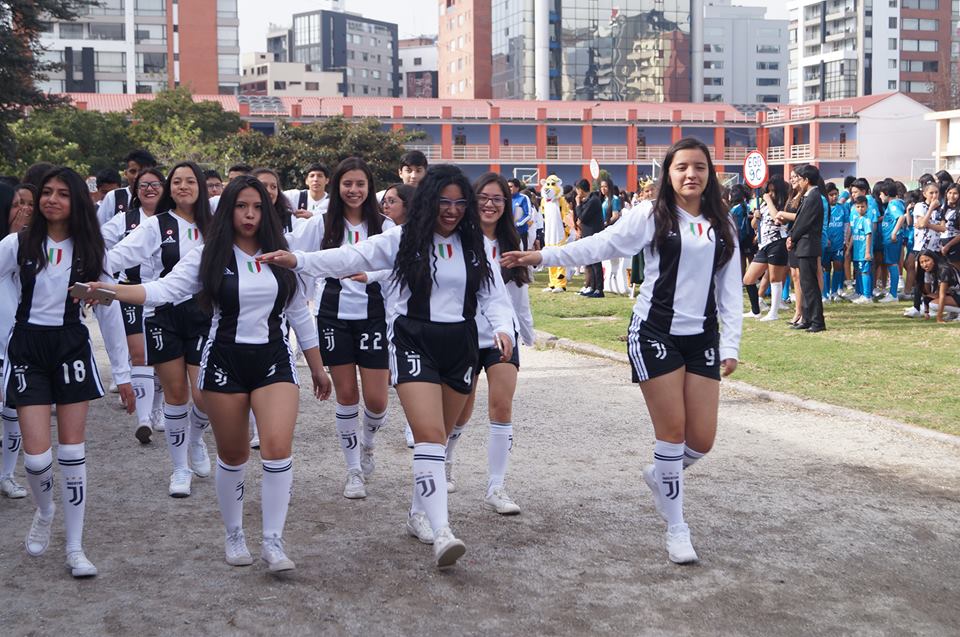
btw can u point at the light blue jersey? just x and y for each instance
(895, 210)
(860, 229)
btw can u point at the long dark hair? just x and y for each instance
(88, 246)
(506, 231)
(7, 197)
(201, 210)
(135, 187)
(404, 192)
(780, 190)
(218, 245)
(711, 202)
(416, 260)
(282, 205)
(334, 221)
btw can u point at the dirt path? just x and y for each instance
(804, 525)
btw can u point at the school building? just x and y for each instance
(873, 136)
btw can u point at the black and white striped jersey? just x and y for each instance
(926, 238)
(951, 219)
(160, 241)
(519, 296)
(683, 291)
(301, 200)
(455, 274)
(44, 298)
(251, 309)
(115, 230)
(770, 230)
(108, 205)
(342, 299)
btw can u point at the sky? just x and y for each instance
(413, 17)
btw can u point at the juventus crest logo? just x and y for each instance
(157, 335)
(239, 491)
(178, 437)
(46, 485)
(272, 370)
(13, 443)
(661, 349)
(413, 360)
(139, 392)
(219, 377)
(329, 339)
(673, 486)
(131, 314)
(349, 440)
(76, 493)
(427, 486)
(20, 373)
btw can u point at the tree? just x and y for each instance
(179, 141)
(21, 61)
(150, 118)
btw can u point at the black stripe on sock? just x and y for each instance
(286, 467)
(33, 472)
(71, 463)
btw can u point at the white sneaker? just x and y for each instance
(255, 441)
(770, 317)
(446, 548)
(418, 526)
(79, 565)
(500, 502)
(408, 434)
(113, 388)
(650, 477)
(199, 458)
(353, 488)
(143, 432)
(751, 315)
(367, 464)
(558, 290)
(180, 481)
(862, 300)
(451, 483)
(236, 550)
(887, 298)
(10, 488)
(547, 290)
(272, 553)
(38, 537)
(156, 419)
(679, 546)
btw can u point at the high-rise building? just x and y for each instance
(463, 48)
(143, 46)
(418, 67)
(616, 50)
(745, 56)
(278, 43)
(365, 49)
(846, 48)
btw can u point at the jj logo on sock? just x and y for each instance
(350, 439)
(427, 486)
(673, 486)
(239, 490)
(178, 437)
(76, 493)
(13, 442)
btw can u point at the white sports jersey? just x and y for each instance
(925, 238)
(951, 217)
(9, 294)
(251, 310)
(342, 299)
(161, 241)
(683, 290)
(108, 205)
(454, 274)
(770, 230)
(316, 206)
(44, 299)
(519, 304)
(113, 233)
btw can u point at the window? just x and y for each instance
(363, 73)
(892, 85)
(917, 24)
(228, 9)
(892, 23)
(349, 72)
(892, 44)
(99, 31)
(713, 81)
(891, 64)
(926, 5)
(768, 99)
(712, 97)
(768, 81)
(228, 64)
(107, 7)
(417, 61)
(713, 64)
(712, 48)
(920, 66)
(150, 34)
(366, 57)
(151, 62)
(375, 73)
(279, 86)
(917, 87)
(110, 62)
(366, 90)
(312, 86)
(227, 37)
(71, 31)
(111, 86)
(768, 66)
(151, 7)
(768, 48)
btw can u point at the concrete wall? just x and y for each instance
(891, 133)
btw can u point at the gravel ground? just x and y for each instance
(805, 524)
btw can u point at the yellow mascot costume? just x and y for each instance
(555, 211)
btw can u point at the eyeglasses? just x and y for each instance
(459, 204)
(150, 185)
(390, 201)
(497, 201)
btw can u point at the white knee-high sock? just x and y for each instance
(776, 298)
(453, 439)
(430, 479)
(175, 418)
(73, 490)
(141, 378)
(39, 470)
(498, 453)
(11, 441)
(371, 425)
(157, 394)
(348, 421)
(229, 480)
(275, 495)
(668, 461)
(690, 456)
(198, 424)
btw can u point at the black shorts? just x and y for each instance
(132, 318)
(440, 353)
(50, 365)
(361, 342)
(490, 356)
(653, 353)
(792, 259)
(176, 331)
(774, 253)
(238, 368)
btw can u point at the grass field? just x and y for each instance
(870, 358)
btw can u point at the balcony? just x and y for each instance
(837, 150)
(776, 153)
(610, 153)
(800, 152)
(472, 152)
(566, 152)
(647, 153)
(527, 152)
(735, 153)
(431, 151)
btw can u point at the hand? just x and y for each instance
(127, 397)
(789, 243)
(359, 278)
(281, 257)
(503, 343)
(321, 384)
(868, 257)
(303, 214)
(893, 237)
(516, 258)
(728, 366)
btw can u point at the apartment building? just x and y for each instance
(418, 67)
(463, 48)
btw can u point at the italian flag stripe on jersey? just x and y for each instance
(445, 250)
(54, 255)
(494, 252)
(696, 229)
(253, 266)
(193, 234)
(353, 237)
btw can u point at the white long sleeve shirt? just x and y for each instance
(519, 296)
(684, 292)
